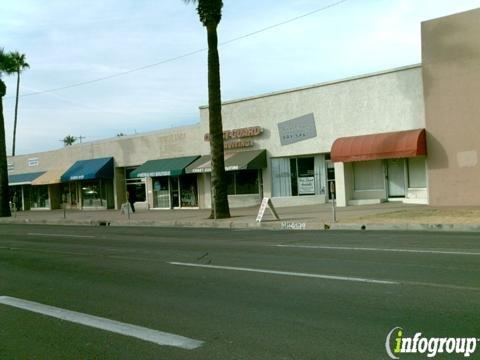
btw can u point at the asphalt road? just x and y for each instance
(326, 295)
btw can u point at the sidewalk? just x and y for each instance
(370, 217)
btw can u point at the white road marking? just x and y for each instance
(62, 235)
(139, 332)
(445, 252)
(288, 273)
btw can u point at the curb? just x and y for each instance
(270, 225)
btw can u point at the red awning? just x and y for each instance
(399, 144)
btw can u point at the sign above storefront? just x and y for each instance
(238, 144)
(298, 129)
(234, 139)
(32, 162)
(238, 133)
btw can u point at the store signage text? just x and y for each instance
(32, 162)
(238, 144)
(154, 174)
(77, 177)
(298, 129)
(238, 133)
(306, 185)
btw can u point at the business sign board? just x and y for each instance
(306, 185)
(298, 129)
(235, 139)
(32, 162)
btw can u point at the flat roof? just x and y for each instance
(326, 83)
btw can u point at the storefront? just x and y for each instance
(298, 176)
(22, 197)
(383, 167)
(47, 190)
(168, 185)
(244, 175)
(88, 184)
(136, 189)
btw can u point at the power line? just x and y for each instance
(144, 67)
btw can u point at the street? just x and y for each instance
(242, 294)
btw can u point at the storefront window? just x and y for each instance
(93, 194)
(69, 194)
(135, 186)
(368, 175)
(417, 177)
(161, 193)
(188, 190)
(246, 182)
(243, 182)
(136, 191)
(16, 198)
(175, 191)
(39, 197)
(298, 176)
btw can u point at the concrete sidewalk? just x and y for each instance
(370, 217)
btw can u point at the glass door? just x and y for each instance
(188, 190)
(175, 191)
(161, 193)
(396, 177)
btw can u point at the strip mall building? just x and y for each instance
(410, 134)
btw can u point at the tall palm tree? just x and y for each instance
(69, 140)
(18, 65)
(5, 65)
(210, 13)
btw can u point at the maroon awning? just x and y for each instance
(398, 144)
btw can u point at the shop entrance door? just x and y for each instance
(396, 177)
(188, 190)
(174, 192)
(69, 195)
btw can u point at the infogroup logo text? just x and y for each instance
(397, 344)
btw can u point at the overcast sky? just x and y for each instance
(67, 42)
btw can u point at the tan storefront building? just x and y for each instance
(408, 134)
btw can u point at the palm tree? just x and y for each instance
(210, 13)
(5, 65)
(18, 65)
(69, 140)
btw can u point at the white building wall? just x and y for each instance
(383, 102)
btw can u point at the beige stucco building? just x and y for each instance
(408, 134)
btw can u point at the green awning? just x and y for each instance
(242, 160)
(163, 167)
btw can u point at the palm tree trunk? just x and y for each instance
(16, 112)
(4, 193)
(219, 183)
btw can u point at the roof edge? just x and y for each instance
(321, 84)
